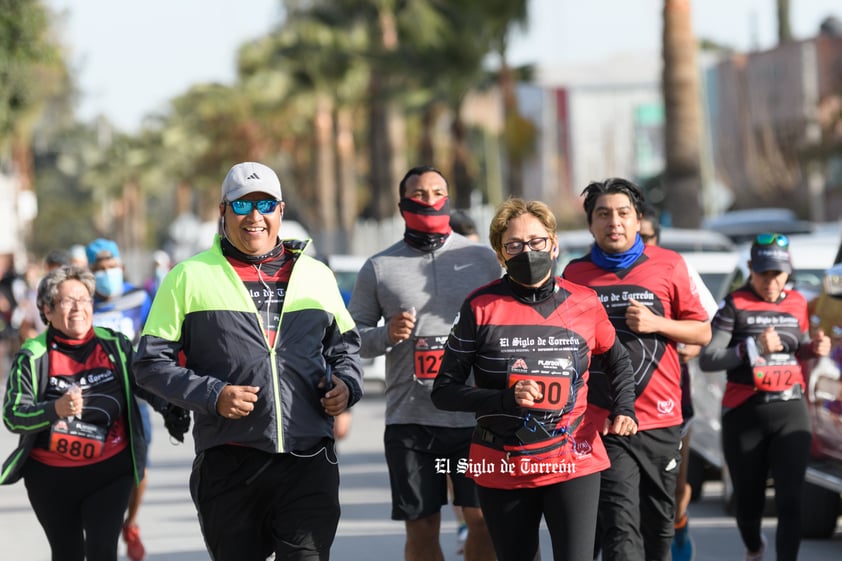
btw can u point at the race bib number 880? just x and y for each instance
(76, 440)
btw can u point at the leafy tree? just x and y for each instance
(66, 204)
(32, 72)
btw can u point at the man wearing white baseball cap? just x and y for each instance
(270, 358)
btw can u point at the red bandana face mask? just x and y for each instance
(426, 218)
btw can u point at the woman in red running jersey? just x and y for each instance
(531, 340)
(70, 396)
(760, 335)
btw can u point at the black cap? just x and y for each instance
(770, 258)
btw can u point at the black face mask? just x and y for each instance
(530, 267)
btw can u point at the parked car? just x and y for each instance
(824, 403)
(743, 225)
(717, 270)
(346, 268)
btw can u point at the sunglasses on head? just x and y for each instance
(770, 238)
(242, 207)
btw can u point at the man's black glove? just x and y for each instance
(177, 421)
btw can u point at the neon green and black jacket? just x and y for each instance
(204, 332)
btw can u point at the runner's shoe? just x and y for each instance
(134, 547)
(462, 534)
(682, 544)
(757, 555)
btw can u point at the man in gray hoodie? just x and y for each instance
(416, 287)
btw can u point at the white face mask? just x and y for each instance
(109, 282)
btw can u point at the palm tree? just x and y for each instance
(682, 174)
(784, 27)
(318, 62)
(446, 68)
(378, 22)
(417, 56)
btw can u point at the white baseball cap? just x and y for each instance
(250, 177)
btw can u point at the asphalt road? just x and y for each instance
(171, 533)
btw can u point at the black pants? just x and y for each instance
(768, 438)
(637, 495)
(513, 517)
(252, 503)
(81, 508)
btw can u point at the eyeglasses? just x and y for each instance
(535, 244)
(770, 238)
(242, 207)
(69, 303)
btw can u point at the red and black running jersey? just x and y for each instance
(84, 363)
(744, 314)
(501, 338)
(659, 280)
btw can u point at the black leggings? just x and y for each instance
(513, 517)
(81, 508)
(768, 438)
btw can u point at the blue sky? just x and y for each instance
(134, 56)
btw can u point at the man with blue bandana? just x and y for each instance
(654, 306)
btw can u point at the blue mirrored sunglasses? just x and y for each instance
(264, 206)
(770, 238)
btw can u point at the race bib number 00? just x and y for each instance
(554, 378)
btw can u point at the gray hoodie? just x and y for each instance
(435, 284)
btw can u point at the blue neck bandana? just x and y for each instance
(617, 261)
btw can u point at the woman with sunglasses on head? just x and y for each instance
(760, 335)
(530, 339)
(70, 396)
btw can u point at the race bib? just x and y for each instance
(776, 377)
(776, 372)
(555, 378)
(76, 440)
(428, 354)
